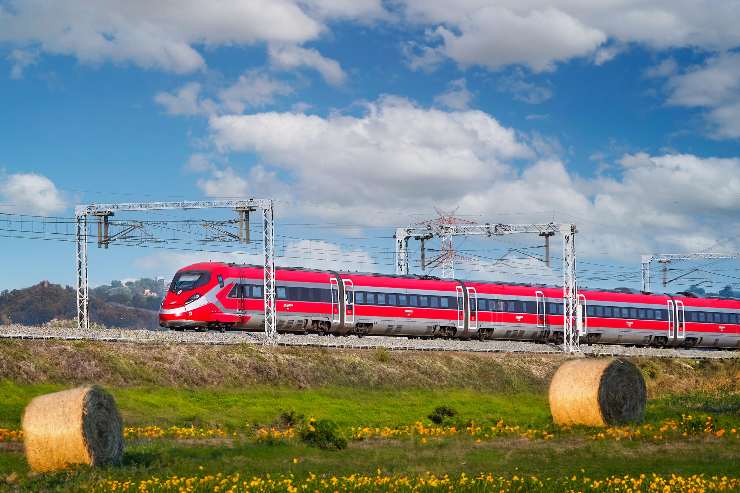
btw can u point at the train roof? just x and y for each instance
(619, 290)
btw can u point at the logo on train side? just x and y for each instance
(630, 323)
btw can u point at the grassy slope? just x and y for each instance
(229, 386)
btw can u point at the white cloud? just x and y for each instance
(523, 90)
(21, 59)
(290, 57)
(224, 183)
(456, 97)
(359, 10)
(666, 68)
(714, 86)
(541, 33)
(160, 35)
(400, 158)
(253, 89)
(30, 193)
(185, 101)
(395, 149)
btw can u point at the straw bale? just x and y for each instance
(77, 426)
(597, 392)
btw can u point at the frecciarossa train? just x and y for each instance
(223, 296)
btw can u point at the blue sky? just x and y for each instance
(623, 118)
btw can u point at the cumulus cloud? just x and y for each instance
(288, 57)
(398, 156)
(160, 35)
(30, 193)
(223, 183)
(522, 89)
(253, 89)
(715, 87)
(21, 59)
(541, 33)
(456, 97)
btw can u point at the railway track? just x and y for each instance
(341, 342)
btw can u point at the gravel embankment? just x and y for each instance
(394, 343)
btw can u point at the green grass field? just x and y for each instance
(242, 409)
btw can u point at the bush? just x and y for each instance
(441, 413)
(289, 419)
(323, 434)
(382, 355)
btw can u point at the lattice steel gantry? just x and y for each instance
(571, 300)
(242, 208)
(666, 258)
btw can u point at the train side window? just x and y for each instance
(282, 294)
(483, 304)
(552, 308)
(691, 316)
(360, 297)
(607, 312)
(434, 301)
(424, 301)
(717, 317)
(725, 318)
(511, 306)
(392, 299)
(444, 302)
(633, 312)
(403, 300)
(625, 312)
(590, 310)
(370, 298)
(530, 307)
(599, 311)
(649, 314)
(701, 316)
(413, 300)
(381, 298)
(641, 313)
(733, 318)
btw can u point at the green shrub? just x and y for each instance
(382, 355)
(441, 413)
(322, 433)
(289, 419)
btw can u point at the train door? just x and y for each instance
(335, 305)
(242, 292)
(581, 316)
(671, 320)
(680, 320)
(349, 301)
(540, 310)
(473, 310)
(460, 307)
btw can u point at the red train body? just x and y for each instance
(230, 297)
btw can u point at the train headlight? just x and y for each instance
(196, 296)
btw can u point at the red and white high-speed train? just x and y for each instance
(224, 296)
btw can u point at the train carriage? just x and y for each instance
(229, 296)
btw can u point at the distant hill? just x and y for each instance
(116, 305)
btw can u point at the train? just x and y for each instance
(226, 296)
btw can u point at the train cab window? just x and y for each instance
(434, 301)
(381, 299)
(413, 300)
(360, 297)
(641, 313)
(444, 302)
(235, 291)
(424, 301)
(599, 311)
(403, 300)
(282, 293)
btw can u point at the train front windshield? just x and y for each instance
(188, 280)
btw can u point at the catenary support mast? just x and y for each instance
(571, 301)
(242, 208)
(666, 258)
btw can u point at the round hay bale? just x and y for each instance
(597, 392)
(77, 426)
